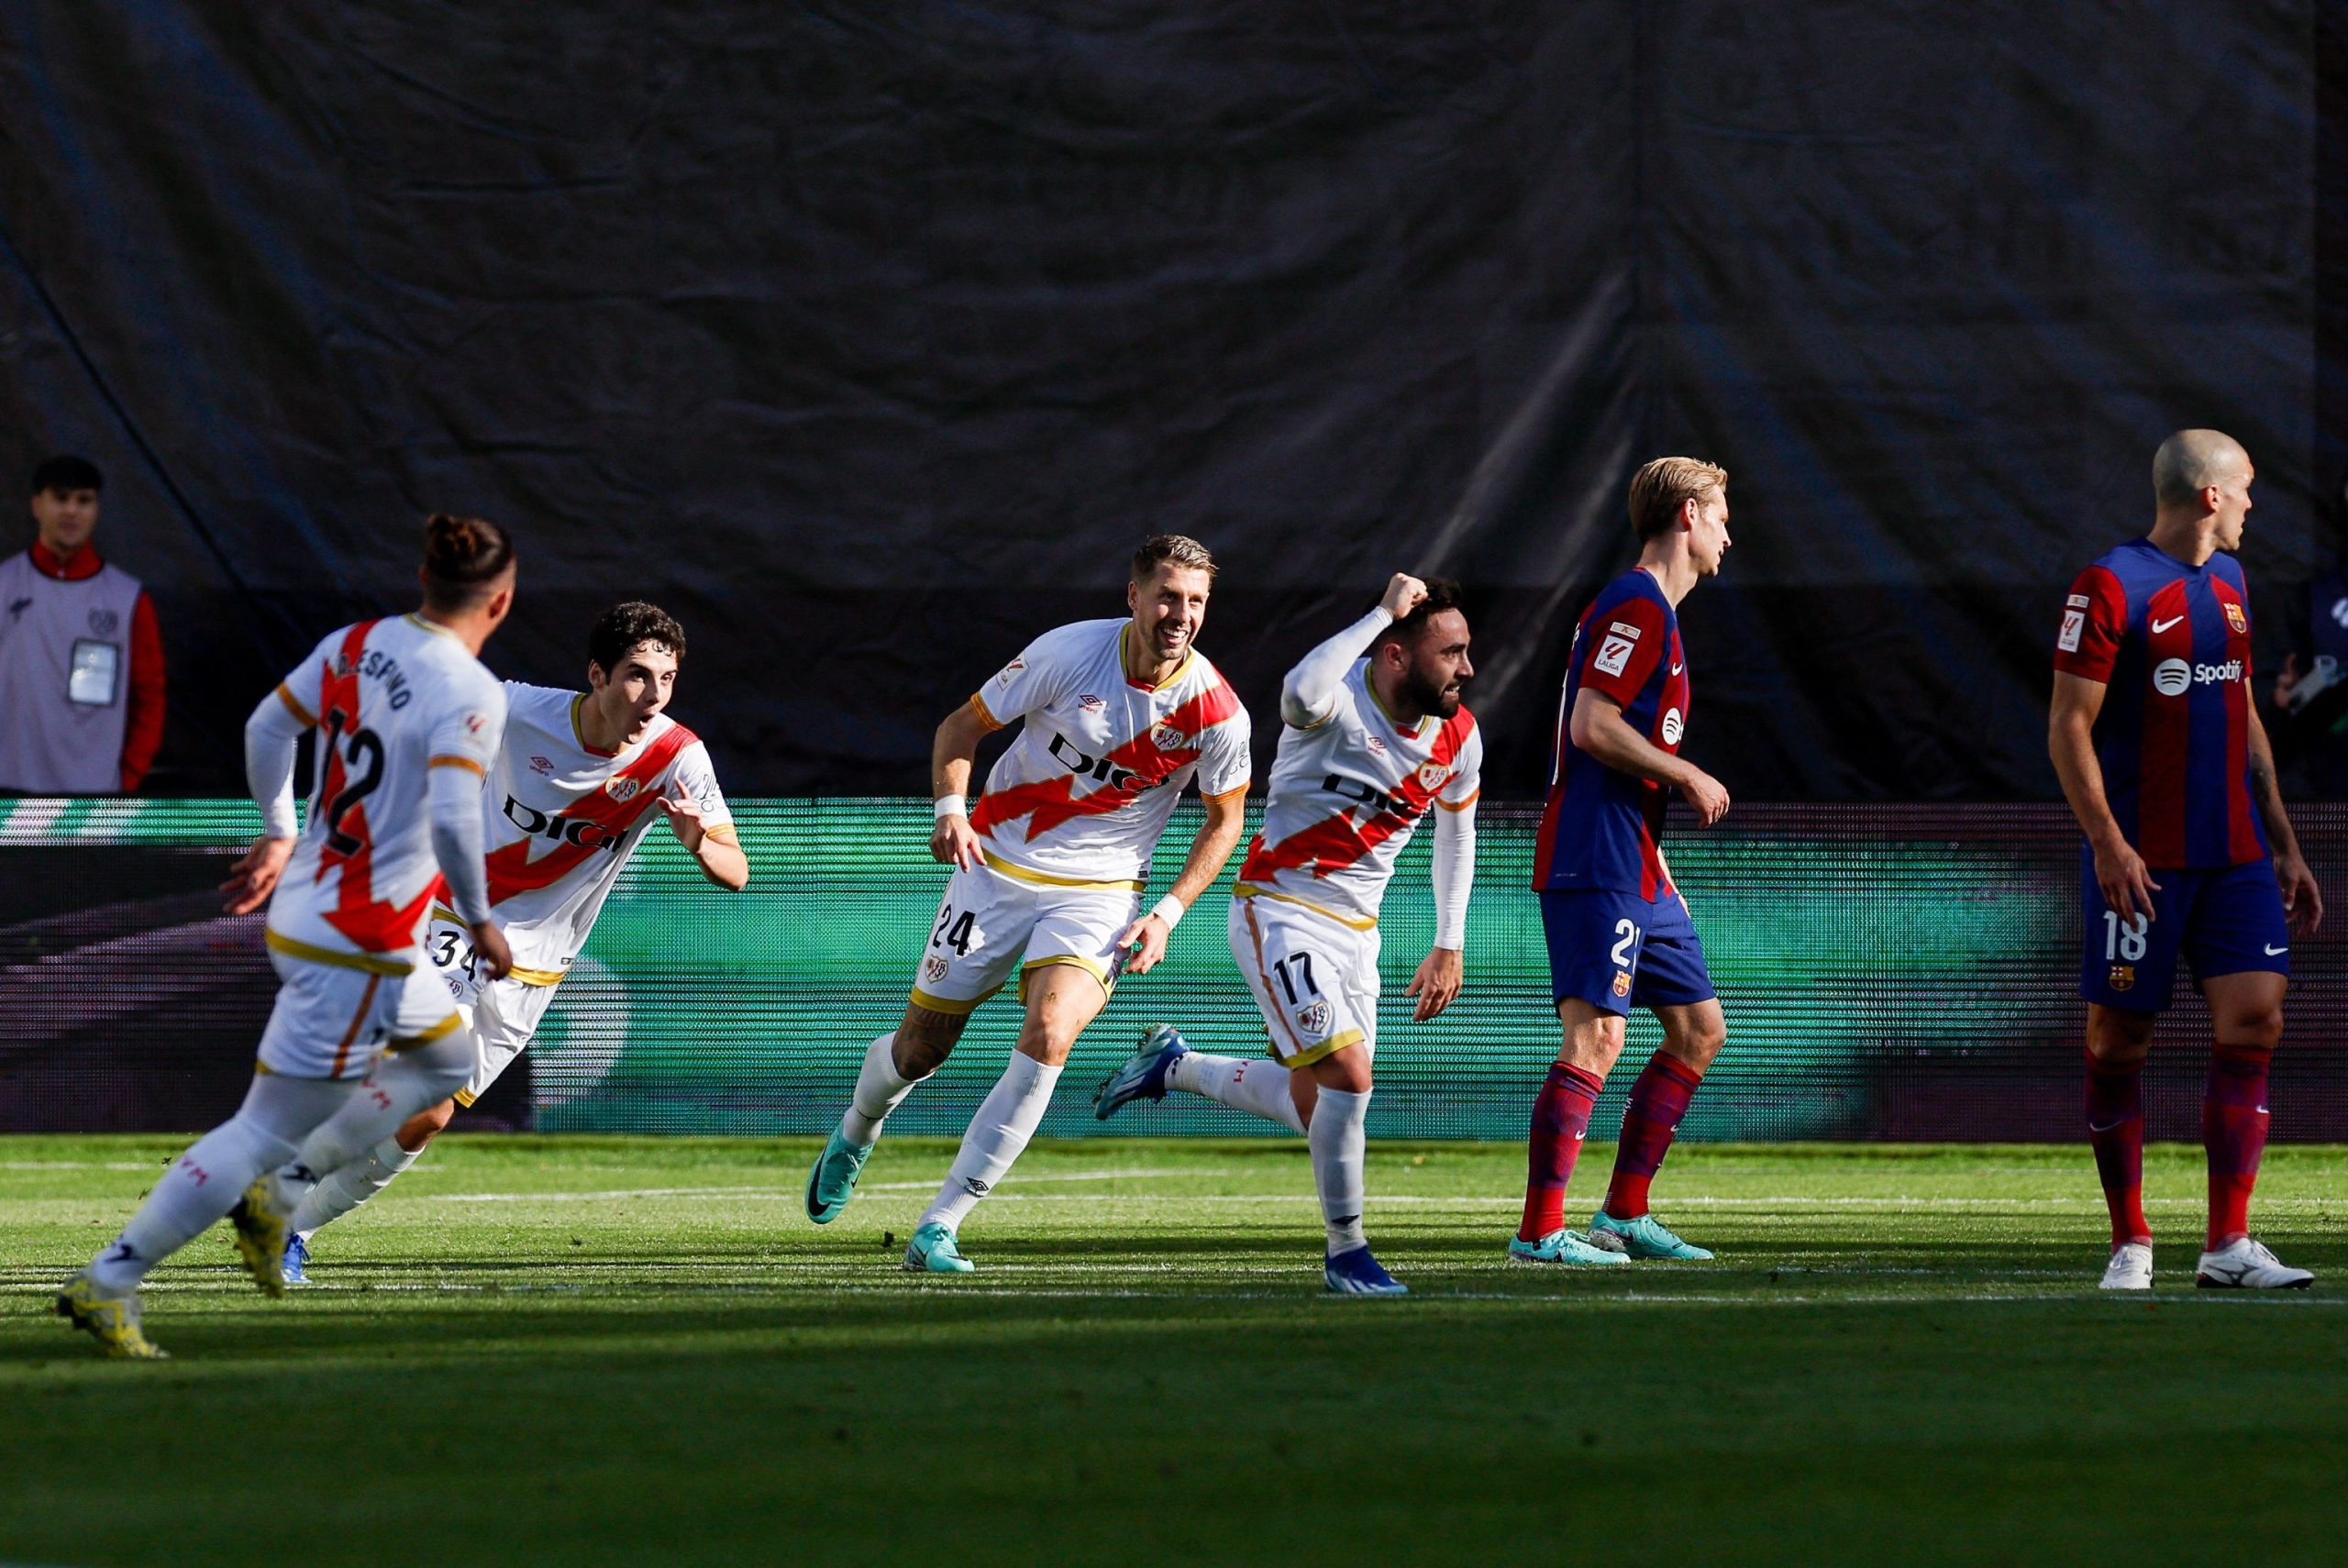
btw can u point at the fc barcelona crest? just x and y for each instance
(1621, 982)
(2123, 977)
(2237, 620)
(1314, 1019)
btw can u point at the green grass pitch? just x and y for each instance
(586, 1350)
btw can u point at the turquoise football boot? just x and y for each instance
(832, 1181)
(933, 1251)
(1642, 1238)
(1560, 1247)
(1144, 1074)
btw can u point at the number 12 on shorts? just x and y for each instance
(2124, 939)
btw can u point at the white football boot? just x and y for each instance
(2131, 1267)
(2245, 1265)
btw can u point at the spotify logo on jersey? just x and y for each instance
(2171, 676)
(1671, 728)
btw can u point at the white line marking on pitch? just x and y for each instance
(770, 1192)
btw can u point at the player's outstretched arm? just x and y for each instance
(714, 850)
(2302, 899)
(954, 840)
(2128, 888)
(271, 734)
(1599, 729)
(1218, 837)
(1309, 695)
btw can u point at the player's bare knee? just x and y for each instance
(924, 1039)
(2118, 1038)
(1346, 1070)
(2259, 1026)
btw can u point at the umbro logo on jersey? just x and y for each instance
(1377, 745)
(542, 765)
(2160, 627)
(1090, 703)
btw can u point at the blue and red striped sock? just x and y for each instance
(2233, 1131)
(1658, 1102)
(1560, 1119)
(2116, 1133)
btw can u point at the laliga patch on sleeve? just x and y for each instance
(1003, 676)
(1612, 654)
(2078, 601)
(2074, 623)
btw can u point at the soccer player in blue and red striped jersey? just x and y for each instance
(2189, 852)
(1618, 930)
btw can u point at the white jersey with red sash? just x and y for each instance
(563, 818)
(1347, 794)
(391, 700)
(1086, 788)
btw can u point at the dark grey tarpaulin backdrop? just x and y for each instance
(868, 338)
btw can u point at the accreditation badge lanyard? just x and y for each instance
(96, 673)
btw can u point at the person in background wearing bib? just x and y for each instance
(81, 656)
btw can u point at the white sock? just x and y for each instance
(1257, 1086)
(1006, 1120)
(879, 1090)
(1339, 1143)
(416, 1079)
(204, 1183)
(341, 1191)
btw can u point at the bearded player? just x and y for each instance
(1619, 933)
(579, 778)
(2189, 852)
(1050, 867)
(407, 720)
(1371, 745)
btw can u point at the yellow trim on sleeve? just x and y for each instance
(365, 963)
(1328, 1047)
(986, 714)
(723, 833)
(1473, 796)
(294, 706)
(1226, 795)
(450, 759)
(1045, 879)
(464, 1099)
(1257, 890)
(440, 1031)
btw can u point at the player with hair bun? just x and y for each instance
(406, 721)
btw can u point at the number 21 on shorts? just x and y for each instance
(2124, 939)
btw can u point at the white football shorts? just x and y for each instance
(992, 925)
(1314, 978)
(330, 1021)
(504, 1014)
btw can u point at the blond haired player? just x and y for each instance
(579, 778)
(407, 720)
(1371, 745)
(1049, 867)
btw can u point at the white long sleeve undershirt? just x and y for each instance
(271, 734)
(1310, 693)
(1453, 868)
(456, 841)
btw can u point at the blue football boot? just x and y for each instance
(933, 1251)
(295, 1265)
(832, 1181)
(1355, 1272)
(1144, 1074)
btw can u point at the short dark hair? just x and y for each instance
(67, 472)
(1175, 549)
(463, 556)
(623, 627)
(1442, 594)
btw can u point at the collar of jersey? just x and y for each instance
(579, 731)
(2181, 565)
(1125, 634)
(415, 619)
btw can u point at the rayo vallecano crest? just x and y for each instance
(622, 788)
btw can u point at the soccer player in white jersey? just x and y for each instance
(1370, 746)
(579, 779)
(1050, 863)
(407, 720)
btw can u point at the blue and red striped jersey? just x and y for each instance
(1601, 825)
(2171, 645)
